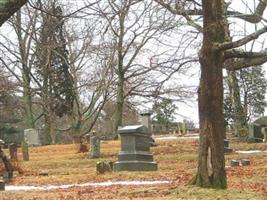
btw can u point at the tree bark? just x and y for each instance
(8, 8)
(210, 98)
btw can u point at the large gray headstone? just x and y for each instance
(135, 150)
(31, 137)
(254, 132)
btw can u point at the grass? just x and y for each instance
(177, 162)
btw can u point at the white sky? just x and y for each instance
(190, 110)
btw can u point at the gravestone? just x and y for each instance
(235, 163)
(227, 149)
(135, 150)
(94, 147)
(245, 162)
(2, 185)
(13, 151)
(255, 133)
(145, 118)
(31, 136)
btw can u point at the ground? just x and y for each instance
(177, 161)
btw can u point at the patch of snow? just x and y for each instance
(92, 184)
(251, 152)
(177, 138)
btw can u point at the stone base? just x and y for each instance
(135, 166)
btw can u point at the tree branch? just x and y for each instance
(241, 42)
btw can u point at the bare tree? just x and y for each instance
(216, 49)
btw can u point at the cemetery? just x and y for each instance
(130, 167)
(130, 99)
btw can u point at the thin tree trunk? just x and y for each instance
(239, 115)
(210, 97)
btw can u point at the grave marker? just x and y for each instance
(135, 150)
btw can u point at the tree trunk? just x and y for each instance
(8, 8)
(119, 105)
(210, 99)
(27, 98)
(239, 115)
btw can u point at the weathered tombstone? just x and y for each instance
(31, 136)
(13, 151)
(102, 167)
(145, 118)
(254, 133)
(2, 184)
(94, 147)
(135, 150)
(227, 149)
(8, 175)
(245, 162)
(146, 121)
(25, 151)
(235, 163)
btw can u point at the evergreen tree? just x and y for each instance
(164, 110)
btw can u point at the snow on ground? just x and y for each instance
(251, 152)
(92, 184)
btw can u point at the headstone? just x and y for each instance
(102, 167)
(255, 133)
(25, 151)
(245, 162)
(227, 149)
(2, 185)
(135, 150)
(94, 147)
(145, 118)
(7, 176)
(235, 163)
(31, 136)
(13, 151)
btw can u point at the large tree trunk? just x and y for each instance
(8, 8)
(211, 169)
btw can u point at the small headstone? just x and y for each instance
(31, 136)
(102, 167)
(94, 147)
(235, 163)
(43, 173)
(7, 176)
(25, 151)
(227, 149)
(13, 151)
(2, 185)
(245, 162)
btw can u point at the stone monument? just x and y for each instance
(145, 119)
(94, 147)
(255, 133)
(135, 150)
(227, 149)
(31, 137)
